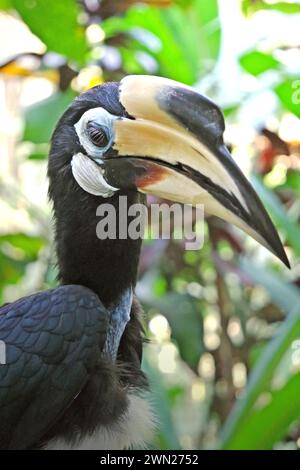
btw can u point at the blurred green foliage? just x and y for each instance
(52, 31)
(222, 309)
(188, 46)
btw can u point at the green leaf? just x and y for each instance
(288, 92)
(267, 426)
(41, 118)
(56, 24)
(182, 53)
(5, 5)
(260, 378)
(250, 6)
(11, 270)
(186, 323)
(287, 226)
(231, 109)
(207, 25)
(167, 26)
(16, 251)
(30, 245)
(38, 155)
(292, 182)
(285, 7)
(130, 61)
(256, 62)
(282, 293)
(183, 3)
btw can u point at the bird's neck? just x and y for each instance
(107, 266)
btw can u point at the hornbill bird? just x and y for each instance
(72, 376)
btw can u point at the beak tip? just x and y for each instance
(276, 247)
(283, 257)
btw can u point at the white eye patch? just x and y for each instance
(89, 176)
(104, 119)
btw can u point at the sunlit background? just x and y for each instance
(216, 316)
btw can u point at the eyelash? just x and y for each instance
(97, 135)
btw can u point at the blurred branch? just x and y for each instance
(223, 355)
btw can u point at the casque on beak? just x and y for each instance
(173, 147)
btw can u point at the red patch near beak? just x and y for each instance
(153, 174)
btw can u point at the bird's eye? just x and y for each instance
(97, 135)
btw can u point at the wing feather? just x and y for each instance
(53, 341)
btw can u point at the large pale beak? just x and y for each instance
(173, 144)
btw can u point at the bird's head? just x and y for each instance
(157, 136)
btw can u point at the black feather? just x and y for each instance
(58, 382)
